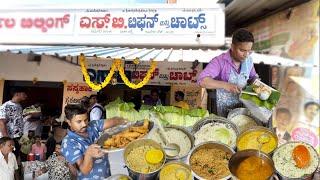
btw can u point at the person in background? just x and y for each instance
(179, 98)
(11, 121)
(57, 166)
(32, 117)
(229, 72)
(282, 124)
(50, 144)
(96, 112)
(79, 148)
(8, 162)
(39, 148)
(147, 100)
(155, 100)
(85, 102)
(26, 142)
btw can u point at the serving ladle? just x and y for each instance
(172, 149)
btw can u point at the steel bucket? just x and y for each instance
(138, 175)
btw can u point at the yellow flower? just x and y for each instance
(116, 65)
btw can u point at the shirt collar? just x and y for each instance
(230, 60)
(2, 156)
(77, 136)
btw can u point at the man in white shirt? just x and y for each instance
(11, 121)
(8, 162)
(97, 112)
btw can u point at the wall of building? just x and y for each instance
(17, 67)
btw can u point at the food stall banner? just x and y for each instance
(74, 91)
(166, 74)
(171, 25)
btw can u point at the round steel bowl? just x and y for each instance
(190, 136)
(306, 176)
(239, 156)
(137, 143)
(210, 144)
(118, 176)
(197, 126)
(174, 162)
(243, 111)
(258, 128)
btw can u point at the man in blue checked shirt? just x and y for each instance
(78, 146)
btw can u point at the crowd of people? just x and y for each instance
(79, 156)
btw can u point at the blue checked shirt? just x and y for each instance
(74, 147)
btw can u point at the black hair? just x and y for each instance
(154, 91)
(30, 131)
(37, 137)
(58, 143)
(242, 35)
(98, 96)
(5, 139)
(93, 95)
(284, 110)
(179, 93)
(72, 110)
(310, 104)
(65, 125)
(17, 90)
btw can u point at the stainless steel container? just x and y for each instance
(175, 162)
(210, 144)
(239, 156)
(259, 128)
(306, 176)
(243, 111)
(138, 175)
(118, 177)
(190, 136)
(197, 126)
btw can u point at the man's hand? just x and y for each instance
(94, 151)
(231, 88)
(111, 122)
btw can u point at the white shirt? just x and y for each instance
(30, 125)
(12, 112)
(7, 169)
(95, 113)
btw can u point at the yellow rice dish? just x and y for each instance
(136, 160)
(175, 171)
(250, 141)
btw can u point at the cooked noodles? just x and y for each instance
(210, 163)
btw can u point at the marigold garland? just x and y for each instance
(93, 86)
(140, 84)
(116, 65)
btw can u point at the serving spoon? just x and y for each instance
(173, 149)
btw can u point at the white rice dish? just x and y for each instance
(174, 136)
(285, 164)
(243, 122)
(219, 132)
